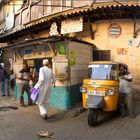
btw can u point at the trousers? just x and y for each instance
(24, 88)
(129, 103)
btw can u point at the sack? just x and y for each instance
(34, 94)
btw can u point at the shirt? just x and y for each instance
(25, 75)
(124, 85)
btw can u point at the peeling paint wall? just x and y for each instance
(131, 51)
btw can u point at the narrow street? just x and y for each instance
(24, 122)
(81, 47)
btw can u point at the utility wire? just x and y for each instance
(118, 2)
(43, 5)
(94, 1)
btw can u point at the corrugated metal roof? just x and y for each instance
(97, 9)
(101, 5)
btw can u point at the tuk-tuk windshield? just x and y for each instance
(103, 72)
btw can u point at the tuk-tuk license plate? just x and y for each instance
(96, 93)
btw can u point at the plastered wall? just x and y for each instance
(104, 42)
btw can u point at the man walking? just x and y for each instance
(46, 78)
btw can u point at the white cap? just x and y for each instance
(2, 64)
(45, 61)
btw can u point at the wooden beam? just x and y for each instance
(90, 28)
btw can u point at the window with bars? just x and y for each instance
(101, 55)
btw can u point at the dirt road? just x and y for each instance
(24, 123)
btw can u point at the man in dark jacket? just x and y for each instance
(2, 80)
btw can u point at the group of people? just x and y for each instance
(126, 96)
(29, 78)
(45, 79)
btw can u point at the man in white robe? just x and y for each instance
(46, 79)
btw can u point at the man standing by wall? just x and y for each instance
(126, 92)
(23, 82)
(46, 78)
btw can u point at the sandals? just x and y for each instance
(44, 116)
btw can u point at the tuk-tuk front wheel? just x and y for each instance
(92, 117)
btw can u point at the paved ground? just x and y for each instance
(24, 123)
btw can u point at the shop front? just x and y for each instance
(67, 61)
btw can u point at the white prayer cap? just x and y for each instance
(2, 64)
(45, 62)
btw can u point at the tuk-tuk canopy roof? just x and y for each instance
(109, 63)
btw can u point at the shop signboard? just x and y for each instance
(114, 30)
(61, 48)
(30, 63)
(37, 52)
(72, 25)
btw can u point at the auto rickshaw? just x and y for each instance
(101, 90)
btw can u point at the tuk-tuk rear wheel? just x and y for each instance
(92, 117)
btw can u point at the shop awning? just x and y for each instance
(43, 41)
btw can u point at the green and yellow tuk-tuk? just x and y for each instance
(101, 90)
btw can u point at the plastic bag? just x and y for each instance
(34, 94)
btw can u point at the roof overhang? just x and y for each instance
(44, 41)
(98, 11)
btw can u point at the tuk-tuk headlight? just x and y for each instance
(110, 92)
(86, 96)
(83, 89)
